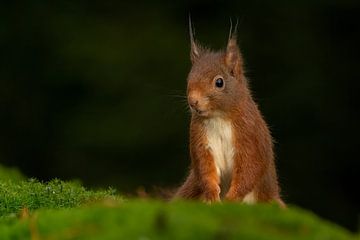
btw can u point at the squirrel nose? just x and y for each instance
(194, 98)
(193, 102)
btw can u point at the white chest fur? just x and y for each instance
(219, 134)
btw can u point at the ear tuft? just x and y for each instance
(233, 58)
(195, 50)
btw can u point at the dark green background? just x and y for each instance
(92, 91)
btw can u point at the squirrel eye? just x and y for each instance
(219, 83)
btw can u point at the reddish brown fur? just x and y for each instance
(254, 168)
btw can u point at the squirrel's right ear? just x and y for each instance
(195, 50)
(233, 56)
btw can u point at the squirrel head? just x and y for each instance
(216, 82)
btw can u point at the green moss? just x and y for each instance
(13, 174)
(66, 210)
(33, 194)
(136, 219)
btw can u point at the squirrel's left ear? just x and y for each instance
(195, 49)
(233, 58)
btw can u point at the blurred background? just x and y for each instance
(93, 91)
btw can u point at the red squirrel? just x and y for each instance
(231, 147)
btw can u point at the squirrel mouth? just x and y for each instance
(199, 112)
(202, 113)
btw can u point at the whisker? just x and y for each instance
(177, 96)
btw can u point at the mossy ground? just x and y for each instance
(13, 174)
(64, 210)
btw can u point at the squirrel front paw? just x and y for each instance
(212, 195)
(232, 196)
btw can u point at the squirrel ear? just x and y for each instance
(233, 58)
(195, 50)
